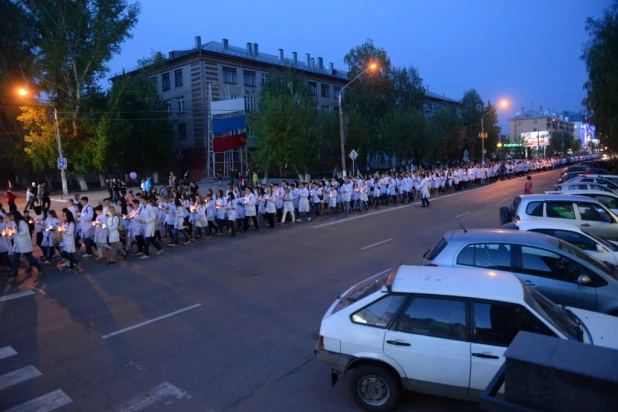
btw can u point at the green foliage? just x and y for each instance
(403, 134)
(40, 139)
(446, 135)
(600, 55)
(561, 140)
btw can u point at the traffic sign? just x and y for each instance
(62, 163)
(353, 154)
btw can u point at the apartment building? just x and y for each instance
(434, 102)
(533, 128)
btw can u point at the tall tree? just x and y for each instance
(408, 88)
(404, 135)
(472, 108)
(600, 55)
(446, 135)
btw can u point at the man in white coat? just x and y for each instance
(424, 189)
(147, 216)
(250, 212)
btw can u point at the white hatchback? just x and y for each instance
(440, 331)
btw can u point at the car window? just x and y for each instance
(498, 324)
(440, 318)
(576, 239)
(381, 312)
(608, 201)
(600, 188)
(486, 255)
(550, 265)
(587, 180)
(560, 210)
(436, 249)
(593, 213)
(549, 232)
(534, 209)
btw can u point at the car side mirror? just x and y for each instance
(601, 249)
(584, 280)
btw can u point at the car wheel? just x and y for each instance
(505, 215)
(375, 388)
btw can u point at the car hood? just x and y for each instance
(603, 328)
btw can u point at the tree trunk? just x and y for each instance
(155, 177)
(102, 181)
(300, 176)
(265, 180)
(83, 185)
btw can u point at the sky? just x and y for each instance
(525, 51)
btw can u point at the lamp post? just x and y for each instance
(483, 135)
(372, 66)
(63, 175)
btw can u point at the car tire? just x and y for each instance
(505, 215)
(375, 388)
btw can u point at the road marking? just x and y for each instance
(17, 295)
(45, 403)
(139, 325)
(6, 352)
(463, 214)
(152, 396)
(18, 376)
(376, 244)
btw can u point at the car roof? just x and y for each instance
(464, 282)
(582, 192)
(501, 235)
(571, 198)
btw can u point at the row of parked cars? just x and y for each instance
(550, 268)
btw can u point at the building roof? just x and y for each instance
(441, 97)
(271, 59)
(471, 283)
(530, 114)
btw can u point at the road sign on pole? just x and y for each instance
(353, 155)
(62, 163)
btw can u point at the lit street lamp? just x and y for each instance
(483, 135)
(63, 175)
(372, 66)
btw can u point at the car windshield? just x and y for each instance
(608, 245)
(362, 290)
(597, 264)
(557, 316)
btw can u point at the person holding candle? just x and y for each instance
(220, 207)
(250, 201)
(113, 223)
(85, 224)
(5, 243)
(230, 210)
(147, 215)
(179, 226)
(68, 228)
(22, 245)
(270, 208)
(100, 232)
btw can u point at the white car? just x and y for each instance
(591, 179)
(440, 331)
(566, 188)
(604, 250)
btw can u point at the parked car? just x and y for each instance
(567, 186)
(589, 171)
(440, 331)
(557, 269)
(590, 215)
(605, 251)
(593, 180)
(605, 197)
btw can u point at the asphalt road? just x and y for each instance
(225, 325)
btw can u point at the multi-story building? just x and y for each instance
(229, 72)
(434, 102)
(533, 128)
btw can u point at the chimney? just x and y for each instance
(198, 42)
(308, 57)
(320, 63)
(249, 49)
(281, 55)
(255, 49)
(225, 44)
(332, 68)
(295, 57)
(313, 62)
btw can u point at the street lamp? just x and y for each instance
(63, 175)
(372, 66)
(483, 135)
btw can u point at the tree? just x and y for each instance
(403, 132)
(446, 135)
(600, 54)
(562, 142)
(408, 88)
(472, 109)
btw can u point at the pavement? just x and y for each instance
(221, 325)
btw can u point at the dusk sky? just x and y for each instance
(525, 51)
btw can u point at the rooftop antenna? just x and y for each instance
(455, 217)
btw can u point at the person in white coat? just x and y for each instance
(100, 232)
(113, 222)
(230, 211)
(68, 229)
(424, 189)
(22, 244)
(86, 218)
(147, 216)
(288, 205)
(250, 210)
(303, 202)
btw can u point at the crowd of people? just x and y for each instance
(135, 223)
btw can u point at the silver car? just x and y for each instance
(559, 270)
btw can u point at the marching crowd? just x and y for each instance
(136, 223)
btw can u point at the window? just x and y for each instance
(560, 210)
(520, 125)
(336, 91)
(381, 312)
(534, 130)
(490, 256)
(178, 78)
(608, 201)
(250, 104)
(180, 103)
(534, 209)
(325, 90)
(229, 75)
(326, 109)
(169, 106)
(313, 88)
(497, 324)
(550, 265)
(165, 80)
(264, 78)
(440, 318)
(578, 187)
(182, 131)
(249, 78)
(574, 238)
(593, 213)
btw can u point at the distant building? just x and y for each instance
(533, 128)
(434, 102)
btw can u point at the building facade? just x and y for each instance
(434, 102)
(533, 128)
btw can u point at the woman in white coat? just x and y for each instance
(230, 210)
(68, 238)
(147, 215)
(22, 244)
(100, 232)
(288, 205)
(51, 224)
(113, 233)
(303, 202)
(250, 201)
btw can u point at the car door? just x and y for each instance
(430, 341)
(560, 211)
(494, 326)
(595, 219)
(555, 276)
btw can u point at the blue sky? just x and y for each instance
(526, 51)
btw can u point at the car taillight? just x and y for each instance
(321, 342)
(431, 264)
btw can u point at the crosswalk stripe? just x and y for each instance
(45, 403)
(18, 376)
(7, 352)
(17, 295)
(152, 396)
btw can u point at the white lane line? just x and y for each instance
(376, 244)
(463, 214)
(45, 403)
(139, 325)
(6, 352)
(17, 295)
(18, 376)
(152, 396)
